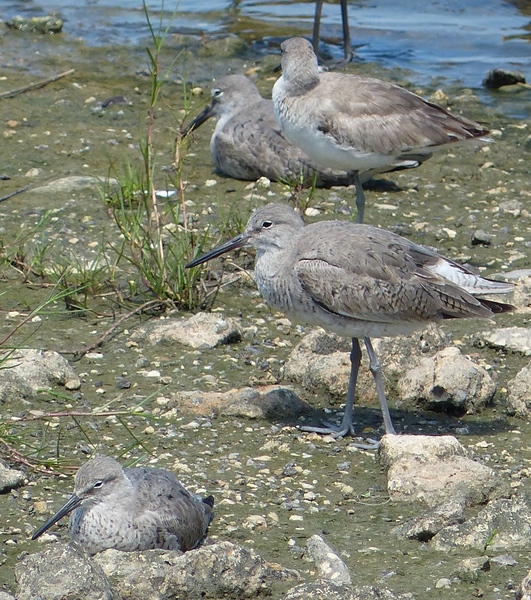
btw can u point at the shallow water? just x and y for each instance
(447, 39)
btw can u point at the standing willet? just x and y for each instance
(355, 123)
(248, 143)
(357, 281)
(132, 509)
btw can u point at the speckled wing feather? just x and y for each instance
(403, 120)
(379, 277)
(181, 518)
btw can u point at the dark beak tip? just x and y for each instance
(238, 242)
(67, 508)
(197, 122)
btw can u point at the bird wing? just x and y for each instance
(384, 118)
(175, 511)
(377, 276)
(252, 145)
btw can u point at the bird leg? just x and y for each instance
(317, 25)
(347, 426)
(347, 48)
(376, 369)
(360, 200)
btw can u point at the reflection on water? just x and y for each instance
(456, 40)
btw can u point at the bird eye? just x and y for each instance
(216, 92)
(267, 224)
(97, 485)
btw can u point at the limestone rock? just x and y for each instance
(504, 524)
(325, 590)
(521, 296)
(516, 339)
(424, 526)
(70, 184)
(9, 478)
(263, 402)
(524, 591)
(27, 370)
(223, 570)
(322, 360)
(329, 565)
(201, 331)
(430, 469)
(447, 380)
(470, 568)
(62, 572)
(519, 396)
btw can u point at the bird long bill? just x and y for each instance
(198, 121)
(72, 503)
(235, 242)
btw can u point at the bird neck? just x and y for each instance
(301, 79)
(267, 263)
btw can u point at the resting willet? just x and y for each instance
(356, 123)
(357, 281)
(248, 143)
(132, 509)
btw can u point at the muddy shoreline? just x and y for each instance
(55, 132)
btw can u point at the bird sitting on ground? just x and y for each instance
(357, 281)
(248, 143)
(132, 509)
(355, 123)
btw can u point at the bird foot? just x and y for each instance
(370, 444)
(330, 429)
(342, 431)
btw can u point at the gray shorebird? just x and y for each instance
(248, 142)
(356, 123)
(132, 509)
(357, 281)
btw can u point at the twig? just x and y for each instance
(17, 327)
(38, 84)
(73, 413)
(15, 193)
(21, 459)
(80, 353)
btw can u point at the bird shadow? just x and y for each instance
(382, 185)
(368, 421)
